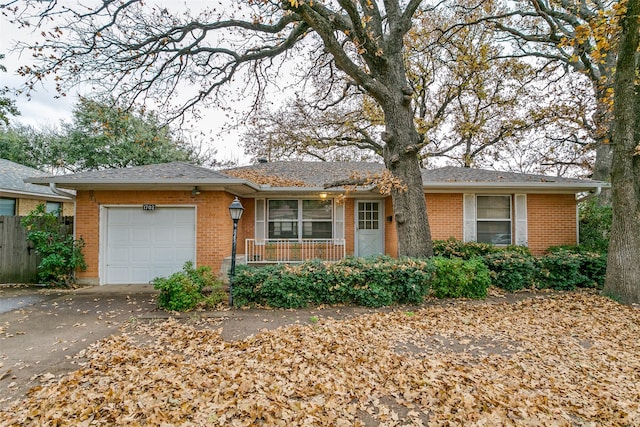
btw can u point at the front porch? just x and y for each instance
(270, 251)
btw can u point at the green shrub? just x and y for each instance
(560, 270)
(573, 266)
(189, 288)
(60, 254)
(457, 278)
(595, 226)
(451, 248)
(371, 282)
(593, 266)
(512, 270)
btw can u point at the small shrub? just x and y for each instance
(560, 270)
(189, 288)
(589, 272)
(456, 278)
(60, 254)
(512, 270)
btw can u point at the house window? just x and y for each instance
(493, 216)
(7, 206)
(54, 207)
(294, 219)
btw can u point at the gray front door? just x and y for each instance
(369, 231)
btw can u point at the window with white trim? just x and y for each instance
(295, 219)
(7, 206)
(493, 219)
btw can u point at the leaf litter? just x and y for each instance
(568, 360)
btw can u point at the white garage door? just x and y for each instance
(142, 245)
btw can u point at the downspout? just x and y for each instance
(53, 187)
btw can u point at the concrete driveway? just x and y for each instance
(42, 329)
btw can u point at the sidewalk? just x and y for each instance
(47, 327)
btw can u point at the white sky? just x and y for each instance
(43, 109)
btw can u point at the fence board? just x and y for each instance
(18, 260)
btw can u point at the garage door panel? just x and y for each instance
(143, 245)
(141, 256)
(164, 255)
(119, 274)
(183, 253)
(118, 235)
(140, 275)
(165, 236)
(183, 237)
(118, 255)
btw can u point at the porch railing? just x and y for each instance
(268, 251)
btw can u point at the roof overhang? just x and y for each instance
(236, 186)
(525, 187)
(35, 196)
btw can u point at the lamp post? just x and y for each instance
(235, 210)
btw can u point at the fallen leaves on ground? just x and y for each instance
(569, 360)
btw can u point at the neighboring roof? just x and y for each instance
(12, 183)
(175, 175)
(299, 176)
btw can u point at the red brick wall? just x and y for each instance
(445, 215)
(390, 231)
(445, 219)
(349, 225)
(551, 221)
(214, 227)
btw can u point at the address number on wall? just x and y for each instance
(147, 207)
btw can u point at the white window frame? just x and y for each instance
(518, 213)
(299, 220)
(504, 220)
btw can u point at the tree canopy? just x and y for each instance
(99, 136)
(7, 105)
(474, 104)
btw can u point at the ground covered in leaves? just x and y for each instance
(572, 360)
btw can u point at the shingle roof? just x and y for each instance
(462, 175)
(317, 174)
(12, 177)
(313, 174)
(158, 173)
(300, 174)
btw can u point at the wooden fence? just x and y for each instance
(18, 259)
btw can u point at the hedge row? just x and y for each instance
(514, 268)
(460, 270)
(369, 282)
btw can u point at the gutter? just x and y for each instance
(53, 187)
(590, 195)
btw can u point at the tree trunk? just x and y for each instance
(623, 268)
(604, 149)
(401, 158)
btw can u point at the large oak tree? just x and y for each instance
(582, 35)
(138, 50)
(473, 106)
(623, 268)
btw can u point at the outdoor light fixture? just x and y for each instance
(195, 192)
(235, 210)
